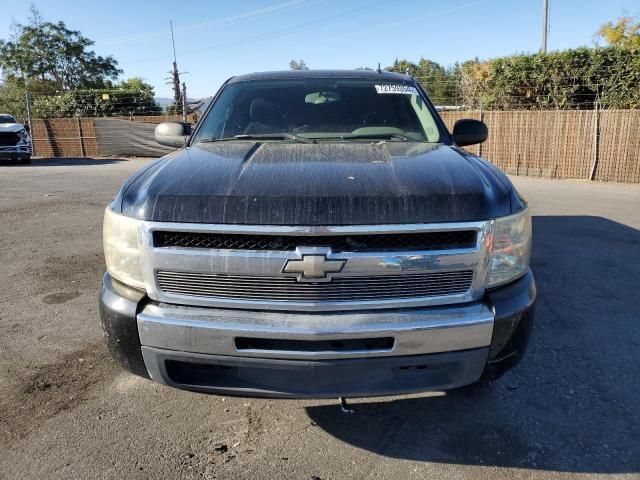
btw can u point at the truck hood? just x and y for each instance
(11, 127)
(347, 183)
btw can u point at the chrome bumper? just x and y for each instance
(420, 331)
(195, 348)
(414, 331)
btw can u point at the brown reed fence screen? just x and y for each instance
(619, 146)
(77, 137)
(577, 144)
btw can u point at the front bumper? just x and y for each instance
(329, 354)
(19, 152)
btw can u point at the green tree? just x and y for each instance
(298, 65)
(55, 56)
(139, 99)
(12, 100)
(128, 98)
(64, 77)
(439, 82)
(625, 33)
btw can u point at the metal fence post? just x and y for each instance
(27, 98)
(482, 120)
(82, 152)
(596, 141)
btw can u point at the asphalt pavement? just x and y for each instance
(571, 409)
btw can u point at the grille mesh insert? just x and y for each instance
(337, 243)
(8, 139)
(385, 287)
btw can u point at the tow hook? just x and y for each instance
(344, 406)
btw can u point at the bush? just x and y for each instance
(568, 79)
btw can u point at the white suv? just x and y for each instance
(15, 141)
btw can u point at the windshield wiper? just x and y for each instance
(260, 136)
(274, 136)
(215, 139)
(292, 136)
(378, 136)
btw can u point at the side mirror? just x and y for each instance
(469, 132)
(27, 129)
(172, 134)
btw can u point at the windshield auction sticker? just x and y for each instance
(401, 89)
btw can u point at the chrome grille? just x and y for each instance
(267, 288)
(387, 266)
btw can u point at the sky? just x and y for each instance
(217, 39)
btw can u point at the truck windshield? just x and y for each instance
(7, 119)
(321, 110)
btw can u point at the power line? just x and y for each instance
(340, 15)
(199, 26)
(413, 18)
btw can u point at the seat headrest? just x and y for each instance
(263, 111)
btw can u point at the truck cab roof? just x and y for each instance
(305, 74)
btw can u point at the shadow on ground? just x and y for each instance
(62, 162)
(572, 405)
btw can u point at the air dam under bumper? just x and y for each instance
(354, 377)
(293, 354)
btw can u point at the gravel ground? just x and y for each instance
(570, 410)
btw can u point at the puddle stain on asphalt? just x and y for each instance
(50, 389)
(75, 270)
(60, 297)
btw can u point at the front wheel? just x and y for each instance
(25, 161)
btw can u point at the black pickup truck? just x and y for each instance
(318, 234)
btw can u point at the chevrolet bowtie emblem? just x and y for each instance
(313, 267)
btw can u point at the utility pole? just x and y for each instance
(545, 25)
(175, 75)
(184, 102)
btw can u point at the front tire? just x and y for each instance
(25, 161)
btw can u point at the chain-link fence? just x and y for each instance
(95, 123)
(99, 136)
(525, 138)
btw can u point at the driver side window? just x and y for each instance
(217, 121)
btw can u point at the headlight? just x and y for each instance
(511, 248)
(24, 136)
(121, 248)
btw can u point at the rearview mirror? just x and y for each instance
(172, 134)
(469, 132)
(317, 98)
